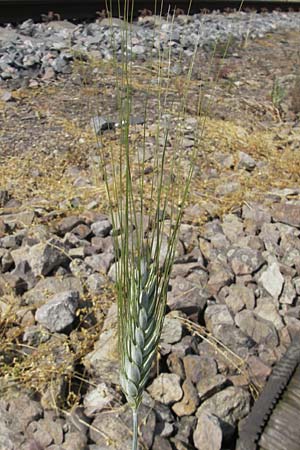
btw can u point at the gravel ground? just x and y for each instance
(47, 49)
(236, 276)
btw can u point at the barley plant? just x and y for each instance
(146, 202)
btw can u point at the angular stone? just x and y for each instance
(297, 284)
(272, 280)
(175, 365)
(219, 241)
(97, 399)
(198, 368)
(217, 315)
(20, 220)
(207, 387)
(67, 224)
(100, 124)
(81, 231)
(245, 260)
(288, 294)
(24, 410)
(59, 312)
(256, 212)
(230, 405)
(166, 388)
(208, 433)
(161, 444)
(172, 329)
(189, 402)
(234, 338)
(270, 236)
(268, 311)
(258, 370)
(11, 284)
(185, 427)
(114, 429)
(260, 330)
(100, 263)
(43, 257)
(48, 287)
(219, 275)
(96, 283)
(288, 213)
(246, 161)
(103, 361)
(186, 296)
(75, 441)
(227, 188)
(186, 346)
(240, 296)
(101, 228)
(232, 227)
(186, 268)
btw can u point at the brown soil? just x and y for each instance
(254, 107)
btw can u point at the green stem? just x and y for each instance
(135, 429)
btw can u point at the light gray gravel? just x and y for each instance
(47, 49)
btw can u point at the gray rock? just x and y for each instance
(198, 368)
(67, 224)
(272, 280)
(75, 441)
(219, 275)
(297, 285)
(59, 312)
(208, 433)
(43, 257)
(100, 124)
(268, 311)
(207, 387)
(239, 297)
(270, 236)
(101, 228)
(185, 427)
(35, 335)
(96, 283)
(81, 231)
(245, 260)
(11, 436)
(172, 329)
(246, 162)
(227, 188)
(186, 346)
(103, 361)
(161, 444)
(234, 338)
(166, 388)
(19, 219)
(189, 402)
(115, 428)
(24, 410)
(48, 287)
(229, 405)
(186, 296)
(288, 213)
(232, 227)
(175, 365)
(80, 269)
(260, 330)
(288, 294)
(98, 399)
(100, 263)
(217, 315)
